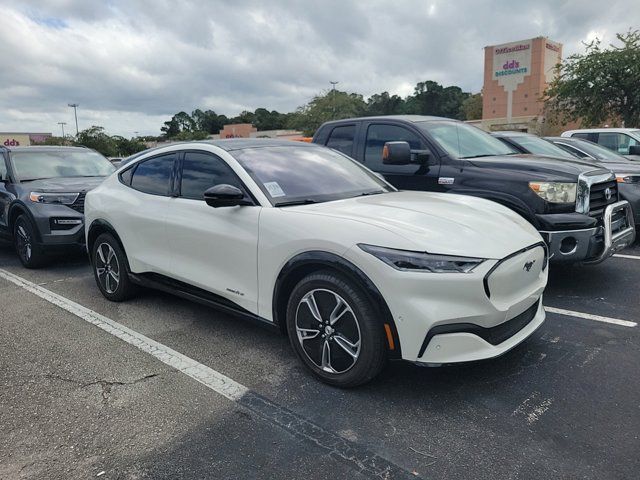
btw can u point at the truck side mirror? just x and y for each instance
(634, 149)
(396, 153)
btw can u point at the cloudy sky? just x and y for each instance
(132, 64)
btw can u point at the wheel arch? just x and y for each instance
(97, 228)
(17, 209)
(308, 262)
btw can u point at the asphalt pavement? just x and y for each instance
(78, 402)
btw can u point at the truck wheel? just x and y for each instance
(24, 240)
(335, 330)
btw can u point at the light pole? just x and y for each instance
(333, 97)
(75, 113)
(62, 124)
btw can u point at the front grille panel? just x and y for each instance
(78, 205)
(597, 198)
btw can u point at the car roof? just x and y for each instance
(405, 118)
(230, 144)
(512, 133)
(603, 129)
(47, 148)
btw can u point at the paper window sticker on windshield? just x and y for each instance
(274, 189)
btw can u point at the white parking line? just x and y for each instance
(203, 374)
(620, 255)
(359, 457)
(589, 316)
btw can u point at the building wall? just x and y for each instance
(238, 130)
(22, 139)
(515, 77)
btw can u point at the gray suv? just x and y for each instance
(42, 192)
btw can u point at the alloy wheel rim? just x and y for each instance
(328, 331)
(24, 243)
(107, 268)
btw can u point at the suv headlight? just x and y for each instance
(554, 192)
(63, 198)
(627, 178)
(420, 261)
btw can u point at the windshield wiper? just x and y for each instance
(478, 156)
(373, 192)
(306, 201)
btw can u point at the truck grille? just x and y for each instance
(598, 200)
(78, 205)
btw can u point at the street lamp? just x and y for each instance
(62, 124)
(75, 113)
(333, 97)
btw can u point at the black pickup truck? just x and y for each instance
(574, 204)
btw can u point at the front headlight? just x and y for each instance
(420, 261)
(63, 198)
(554, 192)
(627, 178)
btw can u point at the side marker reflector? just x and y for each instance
(387, 329)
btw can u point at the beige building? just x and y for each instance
(22, 139)
(515, 77)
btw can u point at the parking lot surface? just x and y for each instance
(76, 401)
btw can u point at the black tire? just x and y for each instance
(109, 264)
(24, 241)
(357, 318)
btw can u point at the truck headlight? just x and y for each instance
(554, 192)
(63, 198)
(627, 178)
(420, 261)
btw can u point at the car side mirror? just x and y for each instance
(634, 149)
(396, 153)
(224, 195)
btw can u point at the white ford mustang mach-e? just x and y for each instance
(302, 237)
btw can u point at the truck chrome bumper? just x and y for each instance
(618, 233)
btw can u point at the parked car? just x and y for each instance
(573, 204)
(116, 161)
(303, 238)
(42, 191)
(627, 171)
(528, 143)
(625, 141)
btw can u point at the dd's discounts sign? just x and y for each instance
(511, 64)
(14, 140)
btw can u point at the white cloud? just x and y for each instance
(131, 64)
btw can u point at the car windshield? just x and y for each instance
(464, 141)
(598, 152)
(36, 165)
(540, 146)
(301, 174)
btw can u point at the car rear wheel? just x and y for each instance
(24, 240)
(335, 330)
(110, 269)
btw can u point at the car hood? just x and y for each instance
(622, 167)
(437, 222)
(539, 167)
(63, 184)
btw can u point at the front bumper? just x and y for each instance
(485, 299)
(594, 245)
(58, 226)
(465, 346)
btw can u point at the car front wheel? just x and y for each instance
(335, 330)
(24, 240)
(109, 269)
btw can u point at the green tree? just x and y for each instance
(332, 105)
(385, 104)
(471, 108)
(600, 85)
(264, 119)
(180, 122)
(126, 147)
(95, 137)
(208, 121)
(431, 98)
